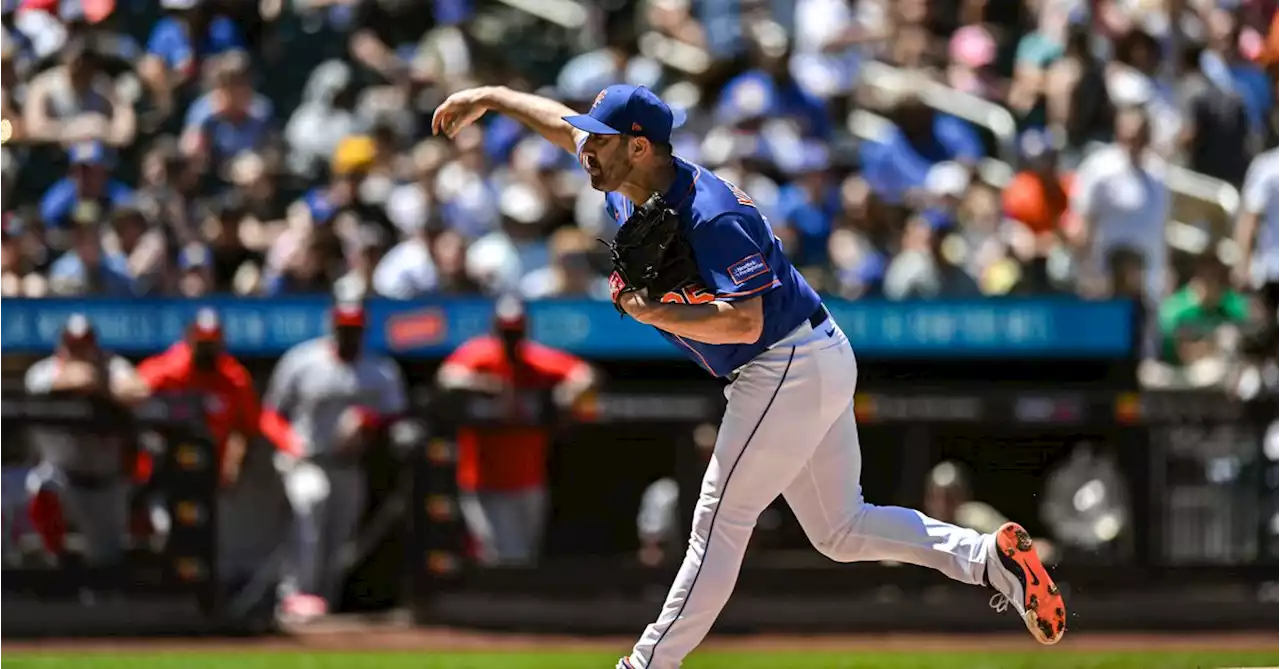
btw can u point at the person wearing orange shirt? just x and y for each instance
(200, 364)
(502, 473)
(1039, 195)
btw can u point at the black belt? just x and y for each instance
(818, 317)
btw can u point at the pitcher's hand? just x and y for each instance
(458, 111)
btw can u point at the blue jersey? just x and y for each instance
(738, 258)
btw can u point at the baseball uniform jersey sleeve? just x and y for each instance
(282, 389)
(280, 400)
(730, 262)
(163, 371)
(738, 258)
(471, 354)
(553, 365)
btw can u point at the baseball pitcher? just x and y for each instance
(83, 480)
(695, 259)
(326, 399)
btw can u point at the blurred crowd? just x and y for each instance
(900, 148)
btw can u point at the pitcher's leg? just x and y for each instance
(762, 443)
(721, 530)
(826, 497)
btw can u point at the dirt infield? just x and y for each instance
(338, 636)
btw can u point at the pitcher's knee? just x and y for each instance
(844, 543)
(843, 548)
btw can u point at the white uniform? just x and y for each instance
(789, 429)
(314, 388)
(86, 471)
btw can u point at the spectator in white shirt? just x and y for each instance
(830, 39)
(325, 117)
(408, 271)
(1122, 201)
(1258, 229)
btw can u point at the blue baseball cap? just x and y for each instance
(629, 110)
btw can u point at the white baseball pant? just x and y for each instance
(327, 502)
(789, 429)
(507, 525)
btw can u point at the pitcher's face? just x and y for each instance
(607, 160)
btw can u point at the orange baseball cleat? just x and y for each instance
(1021, 581)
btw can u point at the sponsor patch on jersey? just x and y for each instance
(748, 268)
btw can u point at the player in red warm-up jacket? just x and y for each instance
(200, 364)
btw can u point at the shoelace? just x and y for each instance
(999, 602)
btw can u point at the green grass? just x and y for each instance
(1045, 659)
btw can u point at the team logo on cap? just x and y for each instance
(598, 99)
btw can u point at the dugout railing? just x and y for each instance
(1194, 547)
(169, 584)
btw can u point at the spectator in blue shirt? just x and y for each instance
(723, 24)
(179, 43)
(760, 95)
(231, 117)
(768, 92)
(897, 166)
(808, 204)
(86, 182)
(1223, 64)
(86, 268)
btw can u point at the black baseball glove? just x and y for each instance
(649, 252)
